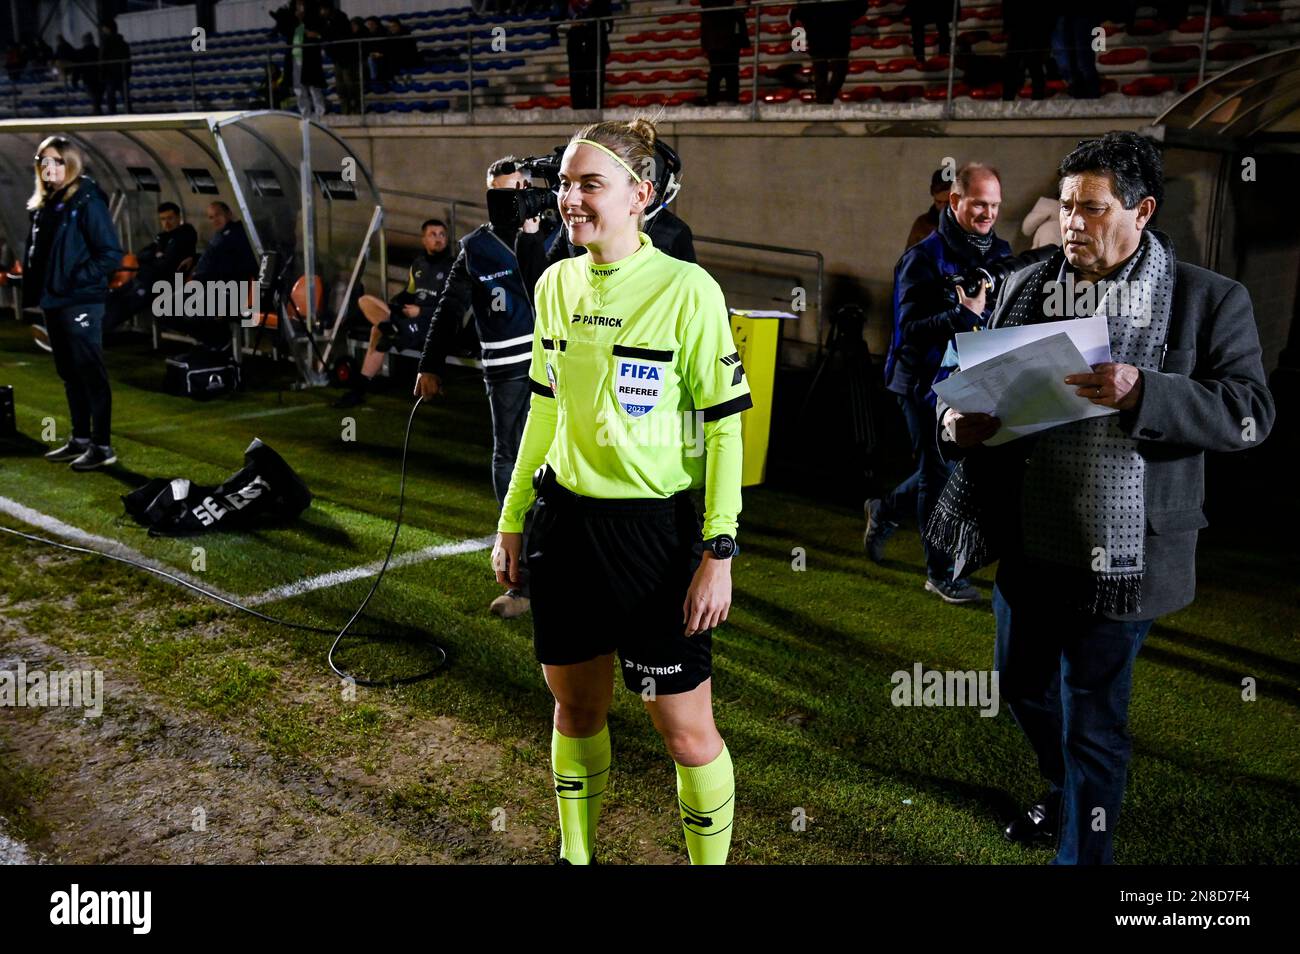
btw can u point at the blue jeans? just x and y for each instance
(1066, 678)
(922, 489)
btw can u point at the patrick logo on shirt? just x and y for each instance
(639, 385)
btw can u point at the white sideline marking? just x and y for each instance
(58, 528)
(267, 412)
(336, 577)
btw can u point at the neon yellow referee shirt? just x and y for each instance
(636, 385)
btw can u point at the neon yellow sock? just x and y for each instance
(581, 770)
(706, 795)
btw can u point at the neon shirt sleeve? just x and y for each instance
(715, 378)
(539, 433)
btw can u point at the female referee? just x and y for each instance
(637, 386)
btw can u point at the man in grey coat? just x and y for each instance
(1094, 523)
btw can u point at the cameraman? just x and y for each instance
(487, 277)
(926, 316)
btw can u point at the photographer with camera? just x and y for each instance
(486, 277)
(928, 311)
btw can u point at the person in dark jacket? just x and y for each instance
(1094, 523)
(403, 323)
(928, 221)
(162, 258)
(337, 29)
(88, 70)
(65, 59)
(723, 34)
(829, 26)
(72, 249)
(586, 81)
(228, 257)
(486, 276)
(922, 13)
(925, 319)
(1029, 25)
(303, 62)
(114, 67)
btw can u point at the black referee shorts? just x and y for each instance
(611, 575)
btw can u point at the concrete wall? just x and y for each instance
(849, 190)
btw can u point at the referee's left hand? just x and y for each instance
(709, 597)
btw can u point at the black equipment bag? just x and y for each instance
(201, 375)
(264, 492)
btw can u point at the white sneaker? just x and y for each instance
(509, 605)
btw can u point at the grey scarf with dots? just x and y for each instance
(1082, 500)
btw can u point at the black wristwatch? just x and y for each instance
(723, 547)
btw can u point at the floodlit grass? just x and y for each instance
(802, 668)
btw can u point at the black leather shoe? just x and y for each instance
(1038, 825)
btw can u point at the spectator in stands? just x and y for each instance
(401, 48)
(486, 276)
(829, 26)
(337, 30)
(587, 62)
(1028, 25)
(305, 64)
(723, 34)
(115, 68)
(14, 62)
(1079, 69)
(88, 70)
(228, 257)
(928, 220)
(171, 251)
(378, 62)
(403, 323)
(924, 12)
(926, 316)
(71, 251)
(65, 61)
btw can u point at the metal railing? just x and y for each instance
(462, 50)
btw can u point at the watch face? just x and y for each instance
(723, 547)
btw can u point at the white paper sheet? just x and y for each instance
(1090, 335)
(1024, 388)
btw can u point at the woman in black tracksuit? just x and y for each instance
(72, 250)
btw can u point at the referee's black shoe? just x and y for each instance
(1037, 826)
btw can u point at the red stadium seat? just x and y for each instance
(778, 96)
(1148, 86)
(1232, 51)
(1123, 56)
(1175, 54)
(1147, 27)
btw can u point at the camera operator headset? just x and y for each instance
(668, 232)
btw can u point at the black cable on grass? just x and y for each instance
(338, 637)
